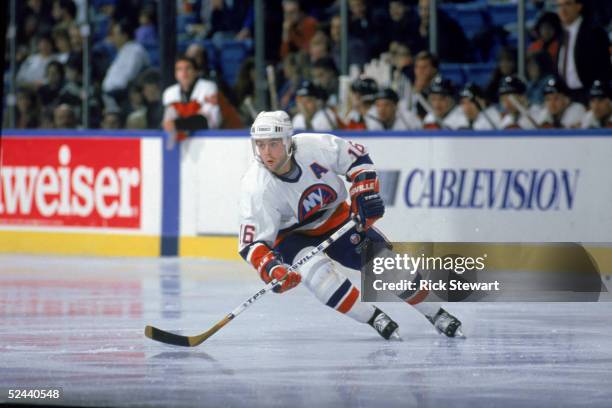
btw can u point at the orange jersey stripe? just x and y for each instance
(339, 216)
(349, 301)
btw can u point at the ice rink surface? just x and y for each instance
(77, 323)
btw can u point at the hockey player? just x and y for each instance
(600, 102)
(389, 116)
(191, 104)
(512, 96)
(313, 114)
(293, 198)
(444, 114)
(559, 110)
(479, 116)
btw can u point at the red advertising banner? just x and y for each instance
(84, 182)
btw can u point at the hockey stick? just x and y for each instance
(191, 341)
(523, 111)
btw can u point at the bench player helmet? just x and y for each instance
(272, 125)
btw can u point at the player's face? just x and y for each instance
(185, 73)
(507, 105)
(272, 154)
(556, 103)
(469, 108)
(441, 104)
(385, 109)
(308, 105)
(601, 107)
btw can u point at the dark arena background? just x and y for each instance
(125, 136)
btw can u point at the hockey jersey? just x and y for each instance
(482, 123)
(323, 120)
(404, 120)
(455, 119)
(313, 203)
(590, 122)
(570, 118)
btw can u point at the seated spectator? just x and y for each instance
(325, 74)
(358, 53)
(191, 104)
(130, 60)
(298, 28)
(402, 24)
(513, 98)
(312, 112)
(151, 92)
(425, 70)
(226, 18)
(388, 116)
(35, 21)
(402, 64)
(293, 76)
(71, 91)
(197, 53)
(364, 26)
(50, 92)
(444, 113)
(32, 71)
(539, 68)
(27, 110)
(600, 103)
(64, 12)
(244, 90)
(146, 33)
(112, 119)
(559, 111)
(363, 96)
(453, 46)
(64, 117)
(319, 46)
(506, 66)
(479, 115)
(61, 39)
(549, 35)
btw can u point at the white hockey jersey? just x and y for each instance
(590, 122)
(454, 120)
(510, 121)
(571, 117)
(314, 202)
(404, 120)
(482, 123)
(203, 100)
(323, 120)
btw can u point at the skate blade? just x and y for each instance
(395, 336)
(459, 333)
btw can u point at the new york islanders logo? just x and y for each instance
(314, 199)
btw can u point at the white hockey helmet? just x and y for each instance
(272, 125)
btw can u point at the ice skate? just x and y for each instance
(385, 326)
(447, 324)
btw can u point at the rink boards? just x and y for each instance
(122, 193)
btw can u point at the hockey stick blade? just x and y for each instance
(191, 341)
(186, 341)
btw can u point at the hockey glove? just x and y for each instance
(270, 267)
(366, 202)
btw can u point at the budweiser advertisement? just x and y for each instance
(79, 182)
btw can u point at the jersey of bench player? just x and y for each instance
(313, 202)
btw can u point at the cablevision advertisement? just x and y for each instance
(414, 272)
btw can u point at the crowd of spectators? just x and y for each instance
(395, 82)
